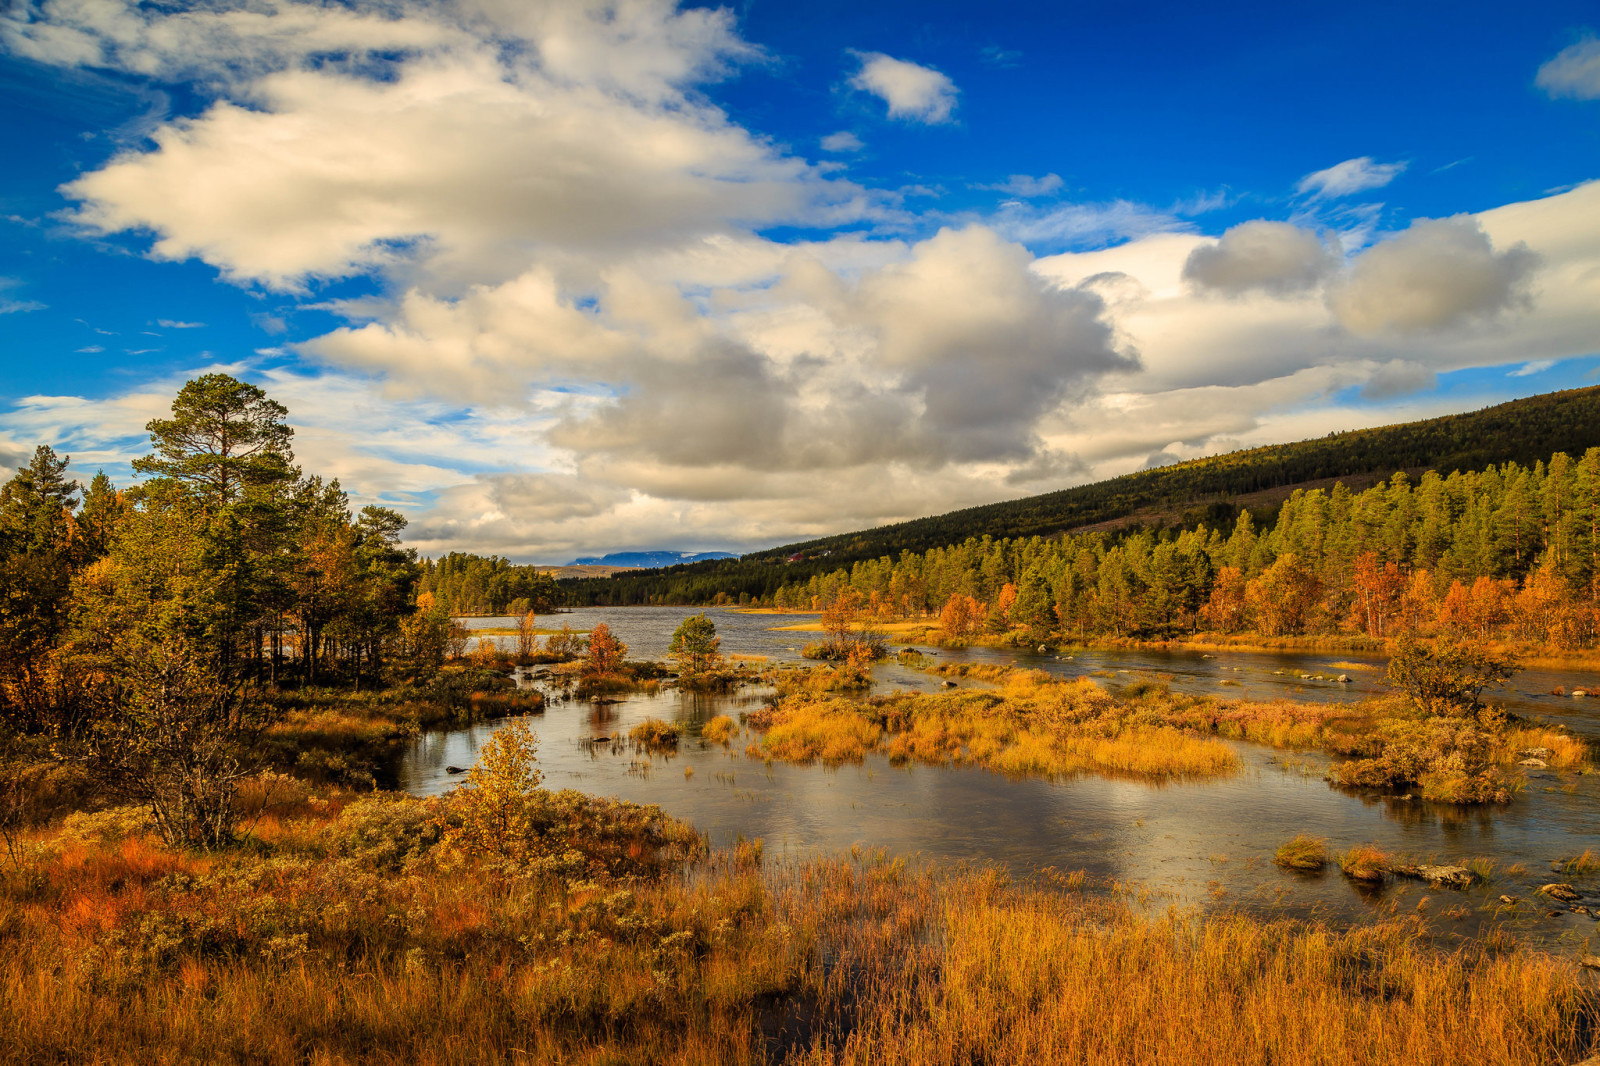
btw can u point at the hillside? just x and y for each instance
(1525, 431)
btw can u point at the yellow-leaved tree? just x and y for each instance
(493, 803)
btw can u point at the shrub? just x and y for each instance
(493, 801)
(1446, 681)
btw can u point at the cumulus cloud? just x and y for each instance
(456, 138)
(1273, 257)
(1574, 72)
(581, 339)
(1437, 274)
(1351, 176)
(843, 141)
(917, 93)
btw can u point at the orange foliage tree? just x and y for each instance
(605, 651)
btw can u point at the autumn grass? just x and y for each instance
(1585, 862)
(1302, 853)
(656, 734)
(1032, 726)
(341, 736)
(1380, 743)
(1365, 863)
(720, 730)
(355, 936)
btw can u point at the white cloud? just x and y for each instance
(1351, 176)
(502, 128)
(913, 92)
(171, 323)
(1526, 370)
(9, 306)
(1437, 274)
(1264, 256)
(843, 141)
(1026, 185)
(1079, 225)
(583, 341)
(1574, 72)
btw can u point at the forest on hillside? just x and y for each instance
(1184, 494)
(1510, 552)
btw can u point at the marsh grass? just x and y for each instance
(1586, 862)
(1366, 862)
(656, 734)
(1302, 853)
(1032, 726)
(1381, 743)
(720, 730)
(343, 737)
(356, 937)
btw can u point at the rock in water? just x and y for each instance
(1564, 893)
(1444, 876)
(1593, 962)
(1537, 764)
(455, 769)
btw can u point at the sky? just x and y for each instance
(557, 277)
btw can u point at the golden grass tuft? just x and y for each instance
(1302, 853)
(1365, 863)
(720, 730)
(655, 734)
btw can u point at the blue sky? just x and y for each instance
(561, 278)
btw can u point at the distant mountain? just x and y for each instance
(652, 559)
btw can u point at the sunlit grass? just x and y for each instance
(1033, 725)
(1302, 853)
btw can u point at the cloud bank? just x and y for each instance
(583, 335)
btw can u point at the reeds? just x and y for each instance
(656, 734)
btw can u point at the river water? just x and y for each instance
(1205, 843)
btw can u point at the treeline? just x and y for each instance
(225, 567)
(463, 583)
(1179, 496)
(1509, 552)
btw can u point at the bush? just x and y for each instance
(1446, 681)
(390, 831)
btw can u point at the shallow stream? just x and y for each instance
(1206, 843)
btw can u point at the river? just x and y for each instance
(1193, 843)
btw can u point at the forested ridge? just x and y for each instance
(1178, 496)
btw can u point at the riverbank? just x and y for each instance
(928, 631)
(351, 931)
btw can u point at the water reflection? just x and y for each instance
(1200, 842)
